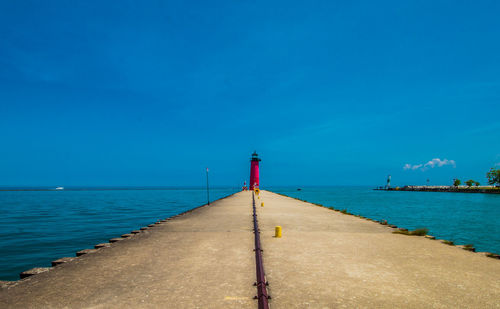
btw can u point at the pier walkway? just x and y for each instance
(325, 259)
(203, 259)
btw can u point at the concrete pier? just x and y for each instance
(324, 259)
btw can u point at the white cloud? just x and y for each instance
(436, 162)
(412, 167)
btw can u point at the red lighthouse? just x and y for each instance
(254, 171)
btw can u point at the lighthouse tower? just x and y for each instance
(254, 171)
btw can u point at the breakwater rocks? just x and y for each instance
(402, 231)
(457, 189)
(25, 275)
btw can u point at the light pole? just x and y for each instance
(208, 194)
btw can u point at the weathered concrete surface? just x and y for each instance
(62, 261)
(330, 260)
(33, 272)
(325, 259)
(203, 259)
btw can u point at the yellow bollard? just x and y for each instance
(262, 204)
(277, 232)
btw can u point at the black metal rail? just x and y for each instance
(261, 283)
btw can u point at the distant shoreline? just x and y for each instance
(87, 189)
(107, 189)
(459, 189)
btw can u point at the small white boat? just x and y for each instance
(60, 188)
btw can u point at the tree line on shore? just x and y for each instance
(493, 177)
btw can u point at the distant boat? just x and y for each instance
(60, 188)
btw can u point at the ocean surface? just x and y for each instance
(41, 226)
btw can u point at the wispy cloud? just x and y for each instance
(412, 167)
(436, 162)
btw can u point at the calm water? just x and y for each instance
(41, 226)
(460, 217)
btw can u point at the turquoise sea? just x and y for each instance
(41, 226)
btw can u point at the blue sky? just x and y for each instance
(130, 93)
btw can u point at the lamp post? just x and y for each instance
(208, 193)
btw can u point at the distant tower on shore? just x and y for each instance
(388, 185)
(254, 171)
